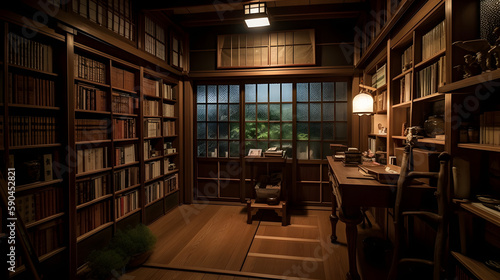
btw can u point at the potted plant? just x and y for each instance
(106, 263)
(135, 243)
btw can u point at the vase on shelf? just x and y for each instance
(433, 126)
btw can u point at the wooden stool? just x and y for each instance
(280, 209)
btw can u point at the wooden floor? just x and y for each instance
(203, 241)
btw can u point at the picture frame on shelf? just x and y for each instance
(255, 153)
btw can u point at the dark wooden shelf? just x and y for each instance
(93, 142)
(93, 172)
(481, 147)
(152, 137)
(94, 201)
(482, 211)
(91, 82)
(170, 136)
(170, 172)
(92, 232)
(156, 117)
(44, 220)
(402, 105)
(154, 201)
(265, 159)
(128, 214)
(34, 185)
(36, 107)
(399, 137)
(32, 70)
(152, 97)
(477, 268)
(125, 165)
(153, 158)
(125, 115)
(171, 155)
(42, 258)
(92, 112)
(402, 74)
(382, 88)
(125, 139)
(127, 189)
(471, 82)
(430, 97)
(35, 146)
(170, 118)
(153, 179)
(430, 60)
(431, 141)
(125, 90)
(170, 100)
(377, 135)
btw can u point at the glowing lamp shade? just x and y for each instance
(362, 104)
(257, 22)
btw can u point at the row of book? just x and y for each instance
(379, 78)
(29, 53)
(407, 59)
(126, 177)
(168, 110)
(90, 69)
(29, 130)
(91, 159)
(47, 237)
(42, 204)
(126, 203)
(125, 154)
(151, 107)
(150, 150)
(28, 90)
(124, 104)
(489, 128)
(169, 128)
(168, 92)
(35, 167)
(122, 79)
(154, 191)
(405, 88)
(152, 127)
(171, 183)
(91, 188)
(90, 98)
(151, 87)
(124, 128)
(91, 129)
(433, 41)
(431, 78)
(152, 169)
(154, 38)
(93, 216)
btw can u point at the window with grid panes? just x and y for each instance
(321, 118)
(154, 38)
(218, 121)
(269, 116)
(177, 51)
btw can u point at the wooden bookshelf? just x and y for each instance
(92, 232)
(482, 211)
(34, 185)
(457, 86)
(480, 147)
(93, 172)
(477, 268)
(94, 201)
(44, 220)
(127, 189)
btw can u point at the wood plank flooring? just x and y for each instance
(215, 242)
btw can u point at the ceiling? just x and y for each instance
(222, 12)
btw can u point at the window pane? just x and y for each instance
(262, 92)
(223, 93)
(315, 150)
(274, 110)
(223, 130)
(302, 131)
(234, 112)
(326, 150)
(234, 130)
(250, 131)
(315, 131)
(315, 110)
(274, 93)
(286, 92)
(341, 131)
(264, 145)
(223, 149)
(212, 130)
(328, 131)
(223, 112)
(212, 112)
(315, 92)
(302, 150)
(250, 93)
(274, 130)
(286, 131)
(234, 149)
(287, 147)
(262, 131)
(286, 113)
(262, 112)
(250, 112)
(341, 111)
(328, 92)
(201, 95)
(302, 112)
(211, 94)
(250, 145)
(212, 148)
(328, 112)
(201, 112)
(202, 148)
(234, 93)
(341, 91)
(201, 130)
(302, 92)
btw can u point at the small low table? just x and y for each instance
(280, 209)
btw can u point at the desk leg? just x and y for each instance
(351, 217)
(334, 218)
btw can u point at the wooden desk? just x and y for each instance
(352, 194)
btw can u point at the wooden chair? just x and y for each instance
(440, 219)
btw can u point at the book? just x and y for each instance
(47, 167)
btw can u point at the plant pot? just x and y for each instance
(138, 259)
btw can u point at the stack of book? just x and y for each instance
(433, 41)
(352, 157)
(274, 152)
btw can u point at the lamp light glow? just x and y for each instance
(257, 22)
(255, 15)
(362, 104)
